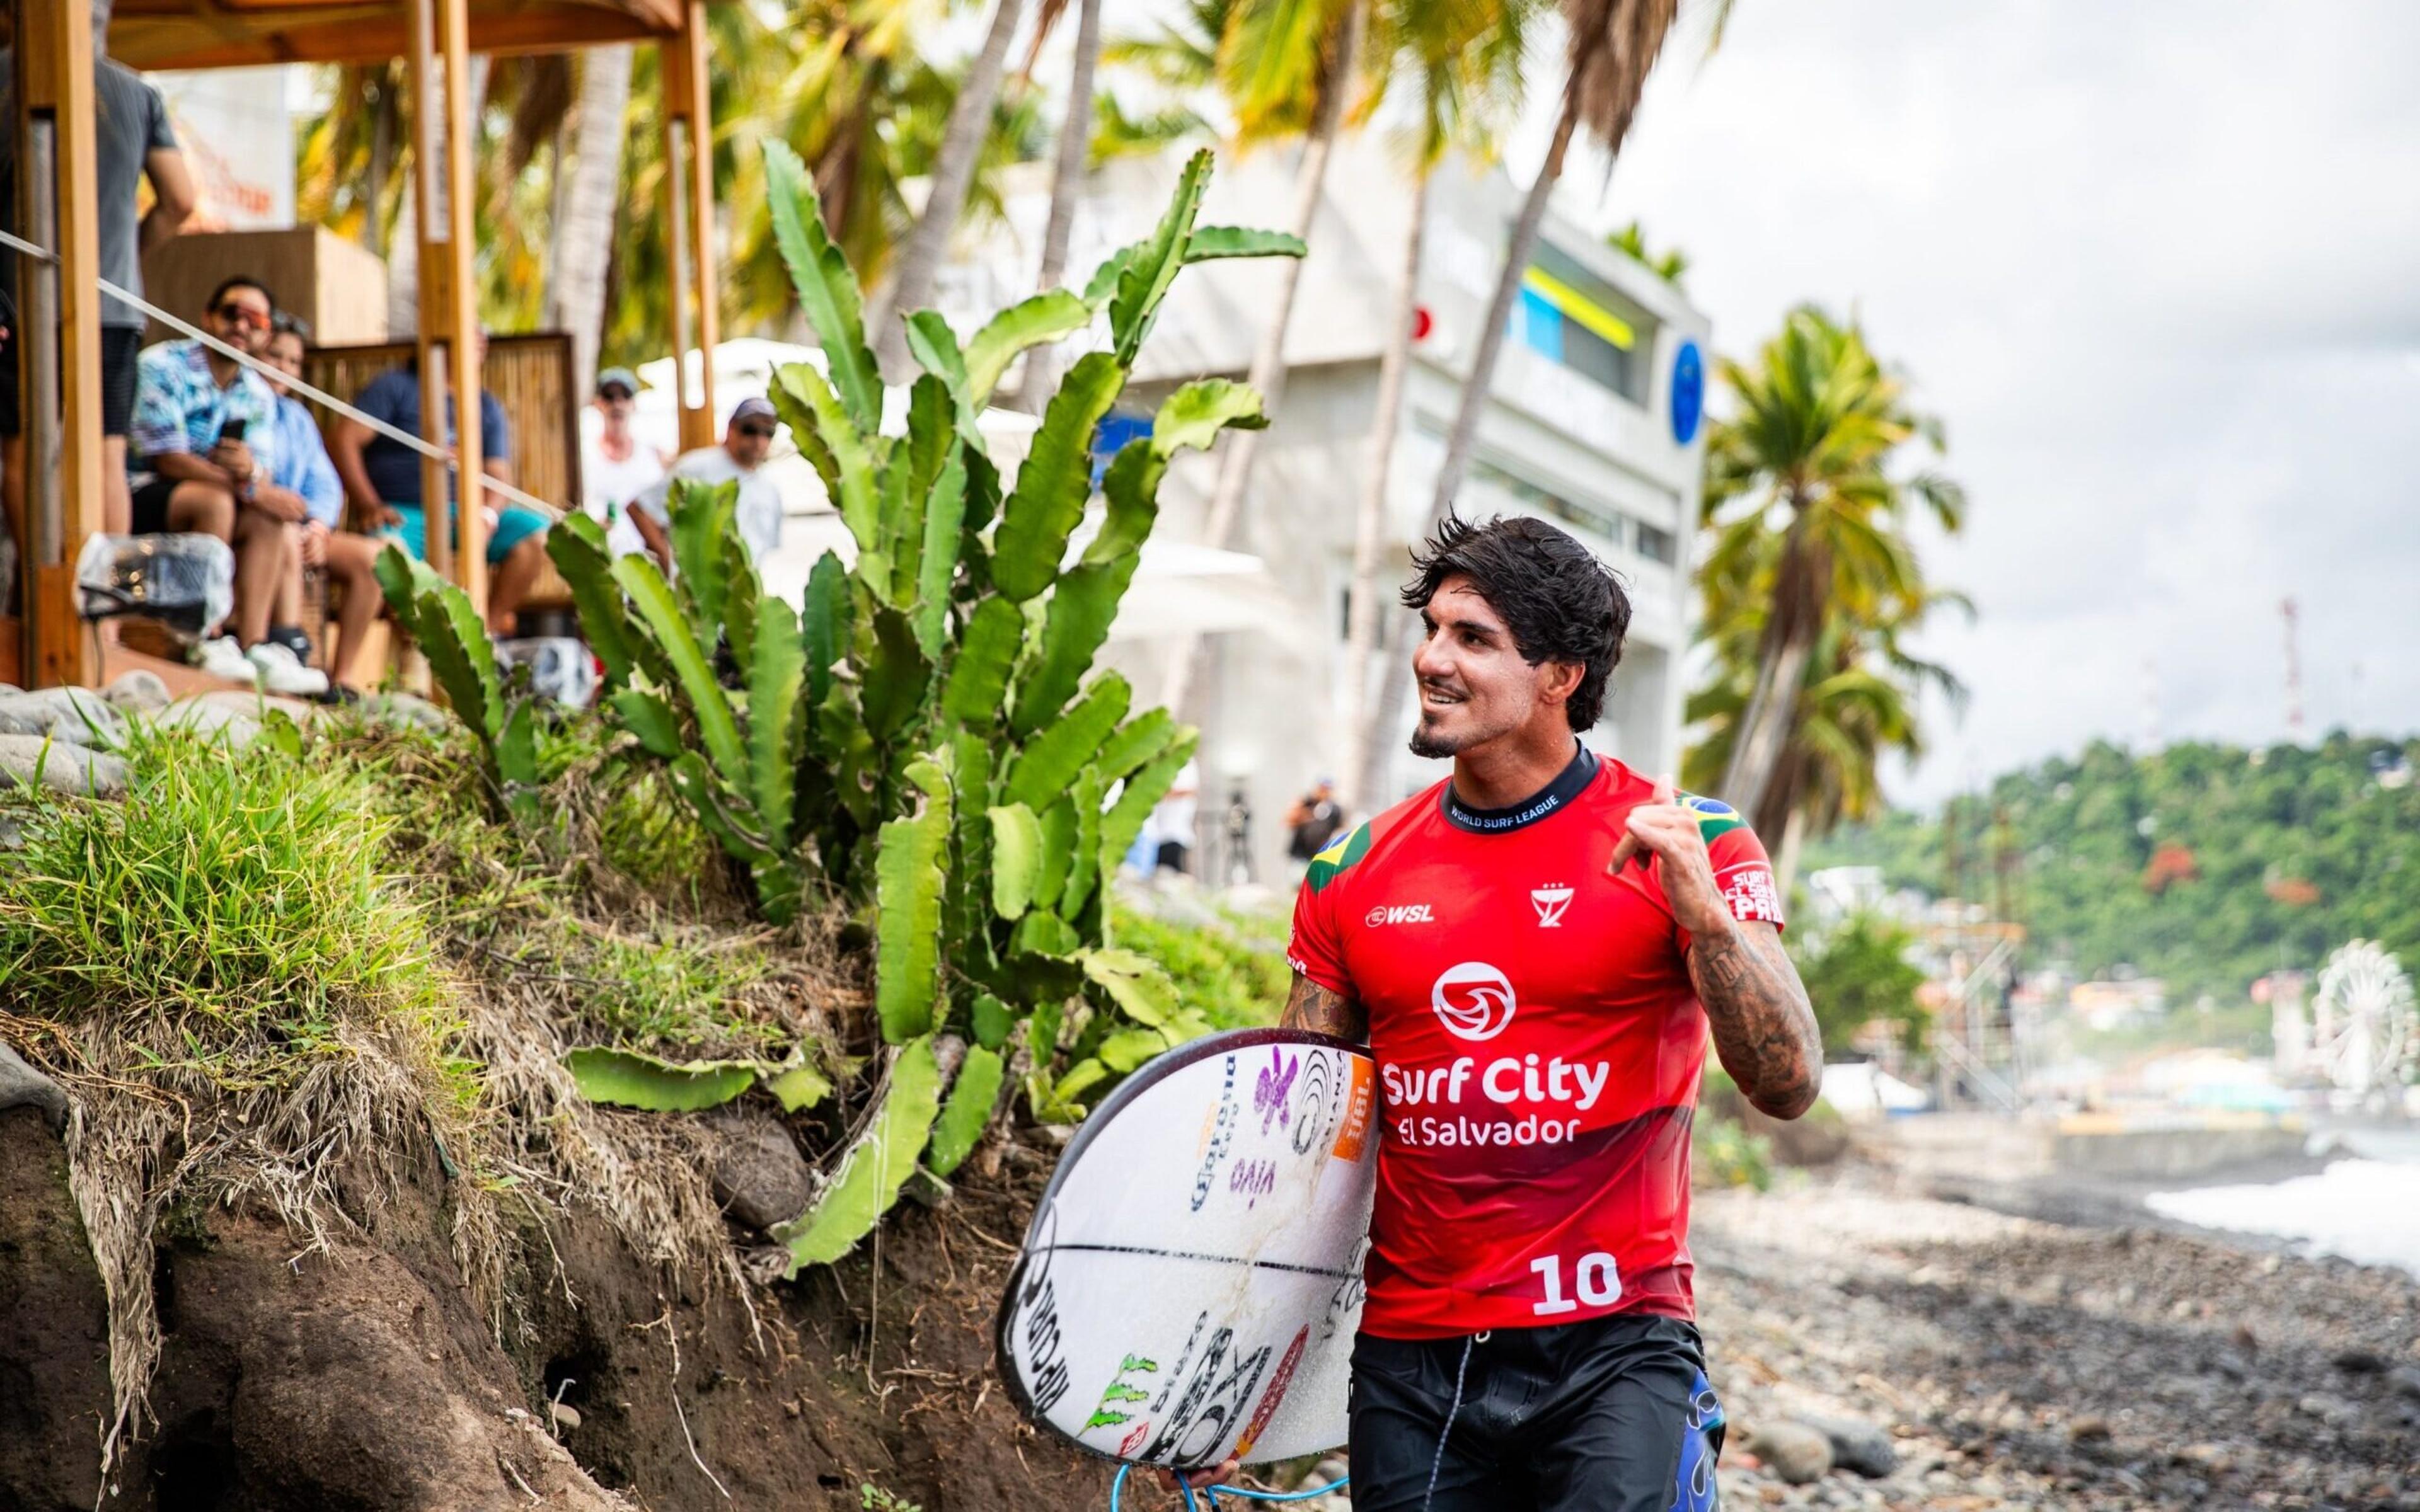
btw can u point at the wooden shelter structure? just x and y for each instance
(60, 380)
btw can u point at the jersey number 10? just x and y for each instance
(1600, 1284)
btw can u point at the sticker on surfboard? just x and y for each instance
(1191, 1281)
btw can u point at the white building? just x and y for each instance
(1586, 429)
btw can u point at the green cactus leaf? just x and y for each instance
(1126, 1049)
(649, 718)
(1137, 983)
(1193, 416)
(402, 586)
(629, 1079)
(838, 449)
(824, 623)
(979, 679)
(908, 908)
(991, 1021)
(875, 1167)
(661, 614)
(577, 545)
(1209, 243)
(1047, 317)
(702, 514)
(935, 347)
(776, 677)
(1016, 859)
(741, 593)
(1053, 756)
(1081, 1077)
(937, 562)
(1061, 827)
(895, 675)
(1084, 853)
(828, 290)
(1144, 280)
(973, 1097)
(1136, 741)
(969, 945)
(1046, 935)
(798, 1087)
(1104, 281)
(1083, 608)
(1055, 481)
(1143, 790)
(695, 782)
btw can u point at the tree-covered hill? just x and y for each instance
(2207, 865)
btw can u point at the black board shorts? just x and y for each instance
(118, 347)
(1610, 1414)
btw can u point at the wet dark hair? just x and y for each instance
(228, 285)
(1560, 603)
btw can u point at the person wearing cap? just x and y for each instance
(741, 458)
(615, 467)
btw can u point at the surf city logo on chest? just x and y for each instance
(1473, 1000)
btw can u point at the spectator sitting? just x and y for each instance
(1313, 821)
(204, 437)
(134, 141)
(741, 458)
(382, 478)
(615, 467)
(303, 465)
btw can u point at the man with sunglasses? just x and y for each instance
(615, 466)
(204, 444)
(739, 460)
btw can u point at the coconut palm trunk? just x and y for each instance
(1067, 176)
(591, 195)
(1267, 374)
(1797, 618)
(1369, 520)
(953, 172)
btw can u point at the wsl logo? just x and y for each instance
(1473, 1000)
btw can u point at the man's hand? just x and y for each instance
(234, 459)
(1663, 829)
(1222, 1474)
(313, 543)
(279, 503)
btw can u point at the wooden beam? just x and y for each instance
(358, 34)
(62, 493)
(464, 349)
(430, 221)
(688, 178)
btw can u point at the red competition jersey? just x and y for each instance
(1538, 1043)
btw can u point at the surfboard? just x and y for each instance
(1190, 1283)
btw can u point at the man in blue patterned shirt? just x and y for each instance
(204, 460)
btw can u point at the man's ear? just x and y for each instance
(1559, 680)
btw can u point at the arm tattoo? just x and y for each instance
(1310, 1005)
(1764, 1030)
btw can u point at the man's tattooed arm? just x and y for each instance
(1310, 1005)
(1764, 1030)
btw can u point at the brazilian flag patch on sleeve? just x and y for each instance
(1714, 816)
(1342, 852)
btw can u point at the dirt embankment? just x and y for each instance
(365, 1379)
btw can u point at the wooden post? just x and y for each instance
(689, 176)
(449, 296)
(61, 407)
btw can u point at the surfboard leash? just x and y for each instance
(1211, 1493)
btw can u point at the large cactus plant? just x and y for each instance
(921, 738)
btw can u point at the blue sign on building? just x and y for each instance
(1116, 428)
(1689, 393)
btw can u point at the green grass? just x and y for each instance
(1235, 971)
(243, 898)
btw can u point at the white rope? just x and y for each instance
(392, 433)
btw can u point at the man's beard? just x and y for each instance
(1428, 747)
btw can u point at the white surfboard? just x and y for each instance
(1191, 1281)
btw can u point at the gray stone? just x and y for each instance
(28, 760)
(2405, 1378)
(231, 723)
(74, 715)
(406, 711)
(1792, 1451)
(1857, 1446)
(23, 1086)
(759, 1176)
(138, 692)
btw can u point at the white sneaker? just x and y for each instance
(282, 671)
(222, 657)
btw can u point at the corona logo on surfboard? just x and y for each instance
(1473, 1000)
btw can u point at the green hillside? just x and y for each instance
(2207, 865)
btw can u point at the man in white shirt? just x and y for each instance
(615, 466)
(741, 458)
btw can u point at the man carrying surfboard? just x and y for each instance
(1535, 950)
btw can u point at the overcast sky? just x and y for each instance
(2157, 266)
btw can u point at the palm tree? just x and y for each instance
(1802, 501)
(1277, 59)
(1461, 64)
(1613, 43)
(1670, 265)
(583, 210)
(954, 170)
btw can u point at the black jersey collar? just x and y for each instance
(1566, 786)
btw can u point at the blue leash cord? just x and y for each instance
(1210, 1493)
